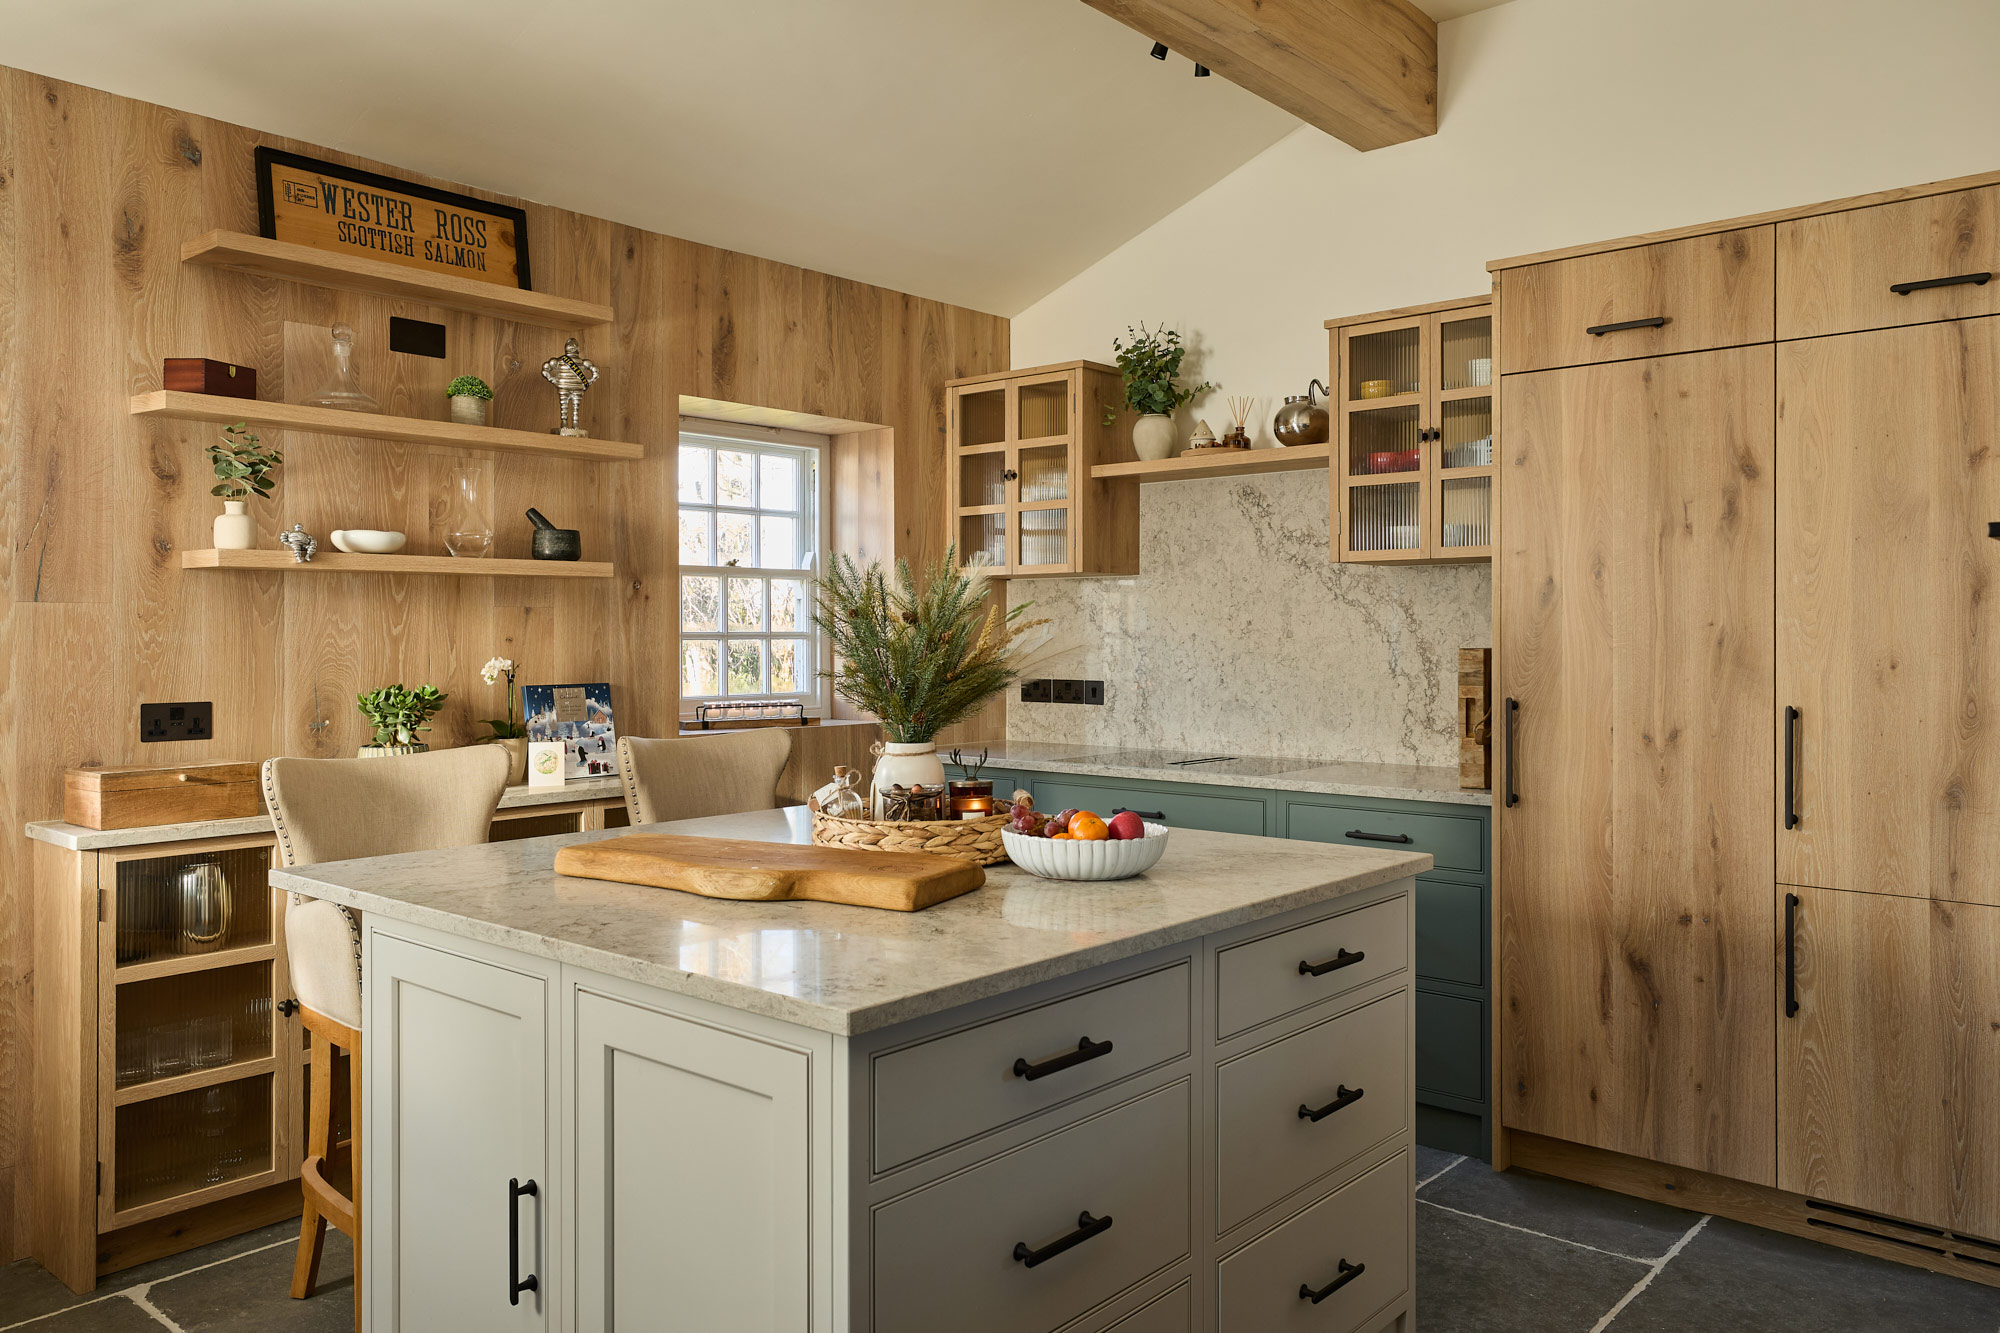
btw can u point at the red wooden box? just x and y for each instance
(195, 374)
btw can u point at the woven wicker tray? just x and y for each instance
(968, 839)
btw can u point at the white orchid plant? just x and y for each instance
(504, 728)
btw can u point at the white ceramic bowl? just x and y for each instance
(368, 541)
(1109, 859)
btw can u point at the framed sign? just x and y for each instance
(350, 211)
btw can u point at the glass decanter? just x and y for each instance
(344, 392)
(468, 529)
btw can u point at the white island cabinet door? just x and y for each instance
(693, 1174)
(457, 1062)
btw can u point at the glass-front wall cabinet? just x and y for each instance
(1413, 465)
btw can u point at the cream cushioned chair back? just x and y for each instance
(339, 809)
(689, 777)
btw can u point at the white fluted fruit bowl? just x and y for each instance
(1111, 858)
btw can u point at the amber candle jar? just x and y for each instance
(971, 800)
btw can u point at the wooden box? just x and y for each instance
(195, 374)
(1475, 718)
(108, 798)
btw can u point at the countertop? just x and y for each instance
(838, 969)
(77, 838)
(1396, 782)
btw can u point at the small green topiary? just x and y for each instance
(467, 386)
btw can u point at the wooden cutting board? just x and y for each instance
(774, 871)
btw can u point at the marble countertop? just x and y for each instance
(838, 969)
(77, 838)
(1397, 782)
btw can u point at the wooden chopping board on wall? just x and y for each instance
(773, 871)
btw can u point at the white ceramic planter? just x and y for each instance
(469, 411)
(901, 765)
(1153, 437)
(391, 751)
(235, 529)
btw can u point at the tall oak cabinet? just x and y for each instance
(1749, 836)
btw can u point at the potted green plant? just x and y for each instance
(243, 467)
(398, 714)
(469, 398)
(919, 658)
(508, 734)
(1149, 360)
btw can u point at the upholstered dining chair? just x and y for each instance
(687, 777)
(335, 810)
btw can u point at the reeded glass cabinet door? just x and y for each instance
(1015, 474)
(1463, 436)
(1384, 385)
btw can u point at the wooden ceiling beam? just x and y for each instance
(1365, 71)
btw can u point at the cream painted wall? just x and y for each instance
(1562, 121)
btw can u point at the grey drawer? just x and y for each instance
(1260, 979)
(1220, 814)
(1365, 1223)
(1171, 1313)
(1450, 1036)
(1265, 1149)
(955, 1087)
(944, 1256)
(1451, 932)
(1456, 843)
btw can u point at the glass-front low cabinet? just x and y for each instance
(1413, 457)
(1019, 448)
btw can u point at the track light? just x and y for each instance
(1159, 50)
(1201, 71)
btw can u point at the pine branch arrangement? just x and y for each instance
(919, 659)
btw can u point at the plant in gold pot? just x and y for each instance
(399, 715)
(919, 657)
(508, 734)
(1149, 363)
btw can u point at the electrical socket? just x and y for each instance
(1036, 691)
(1067, 691)
(1093, 691)
(177, 722)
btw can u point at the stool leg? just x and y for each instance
(319, 1129)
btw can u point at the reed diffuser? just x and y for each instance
(1239, 414)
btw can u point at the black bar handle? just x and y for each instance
(1791, 767)
(1085, 1050)
(1599, 330)
(1344, 1096)
(516, 1284)
(1348, 1272)
(1340, 959)
(1791, 955)
(1959, 280)
(1086, 1227)
(1513, 709)
(1378, 837)
(1143, 814)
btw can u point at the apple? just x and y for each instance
(1127, 825)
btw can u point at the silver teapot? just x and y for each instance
(1301, 420)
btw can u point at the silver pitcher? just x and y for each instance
(204, 906)
(1301, 420)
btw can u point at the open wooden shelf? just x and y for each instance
(1220, 463)
(342, 562)
(377, 277)
(374, 426)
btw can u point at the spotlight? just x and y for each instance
(1159, 50)
(1201, 71)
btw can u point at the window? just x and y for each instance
(750, 549)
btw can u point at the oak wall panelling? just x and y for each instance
(98, 194)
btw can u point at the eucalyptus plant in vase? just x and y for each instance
(919, 657)
(1149, 363)
(399, 715)
(508, 734)
(243, 468)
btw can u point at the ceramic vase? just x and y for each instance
(467, 410)
(901, 765)
(235, 529)
(390, 751)
(1153, 437)
(517, 757)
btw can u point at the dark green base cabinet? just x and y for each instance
(1454, 909)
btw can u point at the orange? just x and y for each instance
(1062, 837)
(1087, 827)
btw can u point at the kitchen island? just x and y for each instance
(1181, 1101)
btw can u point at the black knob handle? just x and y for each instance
(1348, 1272)
(1086, 1227)
(288, 1007)
(1339, 960)
(1010, 475)
(1379, 837)
(516, 1284)
(1599, 330)
(1143, 814)
(1962, 279)
(1343, 1096)
(1086, 1050)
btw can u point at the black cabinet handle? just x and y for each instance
(1343, 1096)
(1599, 330)
(1791, 955)
(1339, 960)
(1348, 1272)
(1010, 475)
(1513, 709)
(1962, 279)
(1791, 769)
(288, 1007)
(1378, 837)
(1086, 1227)
(1143, 814)
(1085, 1050)
(516, 1284)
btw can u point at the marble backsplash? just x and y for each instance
(1239, 637)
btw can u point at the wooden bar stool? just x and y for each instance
(334, 810)
(689, 777)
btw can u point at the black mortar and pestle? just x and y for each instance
(554, 543)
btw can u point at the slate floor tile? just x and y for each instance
(1475, 1277)
(1431, 1161)
(27, 1290)
(1733, 1278)
(115, 1315)
(1637, 1228)
(253, 1294)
